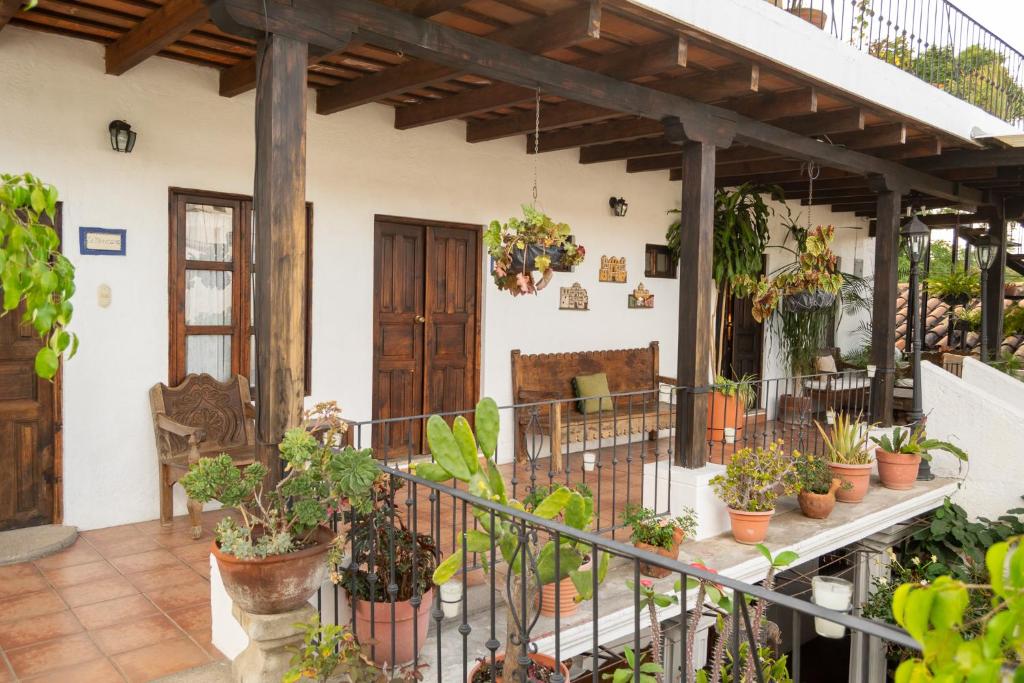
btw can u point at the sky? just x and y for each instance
(1005, 18)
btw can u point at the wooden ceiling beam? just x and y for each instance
(428, 8)
(627, 128)
(8, 8)
(775, 106)
(564, 29)
(915, 149)
(631, 149)
(722, 167)
(772, 178)
(963, 159)
(626, 64)
(873, 137)
(826, 122)
(161, 27)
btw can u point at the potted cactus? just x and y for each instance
(849, 457)
(456, 453)
(899, 455)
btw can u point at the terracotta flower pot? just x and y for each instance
(672, 553)
(406, 622)
(544, 660)
(566, 603)
(279, 583)
(897, 470)
(858, 476)
(819, 505)
(724, 412)
(750, 528)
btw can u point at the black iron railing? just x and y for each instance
(491, 617)
(931, 39)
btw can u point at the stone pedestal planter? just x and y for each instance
(270, 635)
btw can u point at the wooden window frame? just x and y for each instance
(673, 267)
(241, 268)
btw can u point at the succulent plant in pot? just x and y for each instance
(899, 454)
(846, 447)
(275, 554)
(522, 246)
(657, 534)
(818, 485)
(751, 484)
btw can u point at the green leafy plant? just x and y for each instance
(859, 357)
(969, 318)
(317, 476)
(506, 242)
(1011, 365)
(756, 477)
(955, 284)
(456, 453)
(1013, 321)
(846, 443)
(813, 473)
(955, 649)
(537, 495)
(651, 528)
(913, 441)
(743, 389)
(34, 275)
(649, 671)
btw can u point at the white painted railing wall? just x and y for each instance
(996, 383)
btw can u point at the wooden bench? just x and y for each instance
(548, 377)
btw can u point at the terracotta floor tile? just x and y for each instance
(108, 612)
(54, 654)
(201, 568)
(120, 547)
(98, 591)
(6, 675)
(79, 553)
(183, 537)
(204, 639)
(62, 577)
(19, 585)
(140, 562)
(155, 526)
(31, 605)
(164, 576)
(161, 659)
(95, 671)
(17, 571)
(200, 550)
(15, 634)
(131, 635)
(112, 533)
(183, 595)
(192, 618)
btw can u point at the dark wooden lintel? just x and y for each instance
(160, 28)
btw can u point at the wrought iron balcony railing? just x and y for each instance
(931, 39)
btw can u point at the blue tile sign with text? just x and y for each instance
(102, 241)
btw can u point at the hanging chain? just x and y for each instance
(812, 173)
(536, 140)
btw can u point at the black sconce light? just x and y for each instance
(619, 206)
(122, 137)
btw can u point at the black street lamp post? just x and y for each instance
(916, 235)
(985, 252)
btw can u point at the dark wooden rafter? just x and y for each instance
(8, 8)
(566, 28)
(627, 128)
(922, 147)
(883, 317)
(158, 30)
(873, 137)
(826, 122)
(965, 159)
(318, 23)
(626, 64)
(775, 106)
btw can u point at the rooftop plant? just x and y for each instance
(955, 284)
(913, 441)
(34, 276)
(846, 443)
(756, 477)
(650, 528)
(522, 245)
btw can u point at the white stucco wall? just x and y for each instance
(56, 105)
(996, 383)
(985, 426)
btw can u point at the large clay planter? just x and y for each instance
(406, 623)
(794, 410)
(819, 505)
(566, 603)
(279, 583)
(897, 470)
(544, 660)
(750, 528)
(672, 553)
(811, 16)
(724, 412)
(858, 476)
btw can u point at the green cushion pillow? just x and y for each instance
(593, 390)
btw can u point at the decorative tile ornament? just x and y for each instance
(613, 269)
(574, 298)
(641, 298)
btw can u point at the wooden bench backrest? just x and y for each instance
(202, 401)
(548, 376)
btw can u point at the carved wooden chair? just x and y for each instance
(201, 417)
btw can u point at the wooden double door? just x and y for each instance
(426, 326)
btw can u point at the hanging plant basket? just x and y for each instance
(805, 302)
(525, 251)
(526, 259)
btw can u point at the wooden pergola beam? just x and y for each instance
(319, 23)
(564, 29)
(632, 149)
(775, 106)
(628, 128)
(922, 147)
(8, 8)
(161, 27)
(827, 122)
(627, 64)
(872, 137)
(963, 159)
(883, 315)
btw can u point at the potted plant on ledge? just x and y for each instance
(661, 535)
(752, 483)
(849, 457)
(899, 455)
(520, 247)
(728, 405)
(818, 486)
(275, 555)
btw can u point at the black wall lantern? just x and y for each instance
(122, 137)
(619, 206)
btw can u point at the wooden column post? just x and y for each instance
(696, 293)
(279, 198)
(883, 316)
(996, 284)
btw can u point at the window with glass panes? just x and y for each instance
(212, 276)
